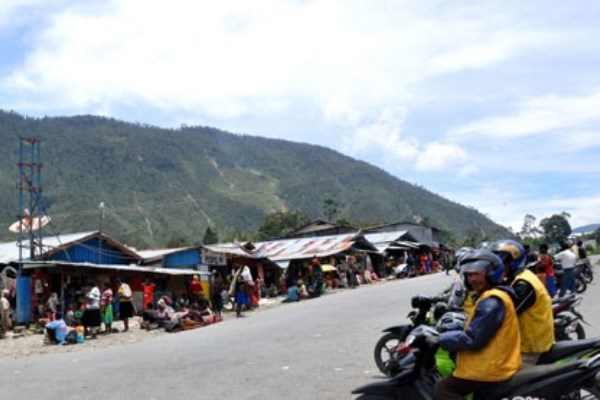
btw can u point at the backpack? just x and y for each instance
(71, 337)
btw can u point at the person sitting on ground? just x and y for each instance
(164, 312)
(303, 292)
(57, 329)
(293, 294)
(273, 291)
(149, 317)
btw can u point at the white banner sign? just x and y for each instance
(212, 258)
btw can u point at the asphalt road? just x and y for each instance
(317, 349)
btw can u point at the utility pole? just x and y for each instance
(29, 190)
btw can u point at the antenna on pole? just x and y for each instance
(101, 207)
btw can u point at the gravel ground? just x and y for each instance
(16, 346)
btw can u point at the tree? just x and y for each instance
(556, 228)
(281, 223)
(596, 235)
(210, 236)
(528, 227)
(331, 209)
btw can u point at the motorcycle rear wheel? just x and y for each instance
(385, 351)
(581, 286)
(576, 334)
(587, 275)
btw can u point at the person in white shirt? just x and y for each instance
(567, 259)
(92, 319)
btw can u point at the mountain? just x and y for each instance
(162, 186)
(586, 229)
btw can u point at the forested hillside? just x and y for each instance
(162, 186)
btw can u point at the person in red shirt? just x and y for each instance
(148, 289)
(547, 264)
(195, 290)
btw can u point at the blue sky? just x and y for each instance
(495, 105)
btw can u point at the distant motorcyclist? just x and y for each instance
(458, 295)
(533, 305)
(488, 349)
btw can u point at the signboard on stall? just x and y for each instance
(212, 258)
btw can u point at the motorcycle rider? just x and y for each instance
(489, 350)
(458, 296)
(533, 305)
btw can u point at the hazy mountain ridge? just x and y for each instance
(159, 184)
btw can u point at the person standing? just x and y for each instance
(4, 313)
(53, 304)
(91, 316)
(567, 259)
(215, 288)
(195, 290)
(106, 308)
(126, 309)
(547, 265)
(148, 288)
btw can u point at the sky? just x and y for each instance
(494, 105)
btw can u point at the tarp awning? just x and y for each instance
(283, 264)
(112, 267)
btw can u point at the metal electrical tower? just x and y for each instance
(30, 196)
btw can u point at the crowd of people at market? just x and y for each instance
(240, 292)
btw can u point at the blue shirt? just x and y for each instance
(293, 294)
(60, 328)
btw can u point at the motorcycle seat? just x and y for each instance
(567, 348)
(537, 372)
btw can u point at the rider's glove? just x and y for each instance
(432, 340)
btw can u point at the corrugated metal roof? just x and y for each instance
(292, 249)
(9, 251)
(131, 268)
(391, 240)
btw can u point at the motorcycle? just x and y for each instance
(580, 284)
(385, 353)
(567, 325)
(585, 270)
(426, 310)
(573, 373)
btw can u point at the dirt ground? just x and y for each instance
(16, 346)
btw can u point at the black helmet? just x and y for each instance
(511, 251)
(484, 261)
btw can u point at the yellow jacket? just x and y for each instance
(500, 358)
(537, 322)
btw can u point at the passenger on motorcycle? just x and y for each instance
(488, 349)
(533, 305)
(458, 296)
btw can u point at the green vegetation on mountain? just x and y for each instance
(166, 186)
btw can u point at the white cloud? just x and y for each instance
(538, 116)
(376, 81)
(437, 156)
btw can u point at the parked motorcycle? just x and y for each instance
(567, 320)
(580, 284)
(572, 378)
(585, 270)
